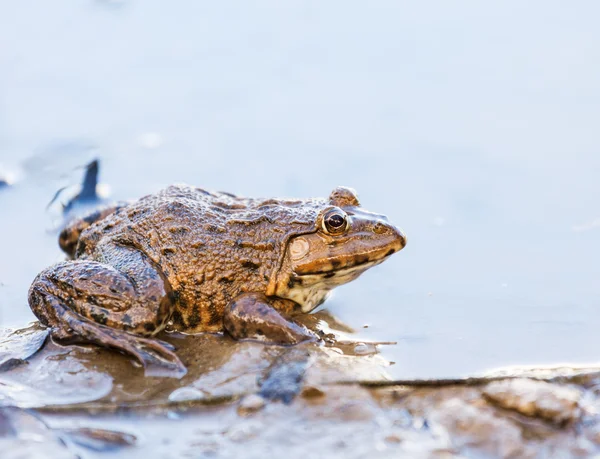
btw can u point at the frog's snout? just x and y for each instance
(395, 238)
(400, 237)
(387, 235)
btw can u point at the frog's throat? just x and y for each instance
(311, 290)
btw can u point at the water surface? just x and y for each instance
(471, 125)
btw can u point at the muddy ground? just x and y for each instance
(312, 400)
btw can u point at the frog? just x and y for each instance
(190, 260)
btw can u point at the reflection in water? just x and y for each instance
(219, 368)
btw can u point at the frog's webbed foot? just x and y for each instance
(253, 316)
(156, 356)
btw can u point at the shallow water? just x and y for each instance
(473, 126)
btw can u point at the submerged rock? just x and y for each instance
(539, 399)
(470, 426)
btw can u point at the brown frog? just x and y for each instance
(190, 260)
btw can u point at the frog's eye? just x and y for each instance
(335, 221)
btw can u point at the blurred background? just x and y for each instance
(472, 125)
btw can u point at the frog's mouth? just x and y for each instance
(331, 279)
(343, 264)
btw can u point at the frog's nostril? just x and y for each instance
(379, 228)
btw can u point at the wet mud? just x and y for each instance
(244, 398)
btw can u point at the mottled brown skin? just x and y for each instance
(69, 236)
(194, 261)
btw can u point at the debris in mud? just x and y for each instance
(86, 194)
(539, 399)
(18, 345)
(99, 439)
(312, 392)
(284, 378)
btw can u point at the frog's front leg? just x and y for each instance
(110, 303)
(256, 316)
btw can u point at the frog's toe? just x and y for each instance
(157, 358)
(165, 344)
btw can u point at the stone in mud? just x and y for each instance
(100, 440)
(251, 404)
(312, 392)
(345, 403)
(186, 394)
(538, 399)
(285, 377)
(477, 429)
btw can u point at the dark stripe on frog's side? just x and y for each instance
(177, 319)
(294, 281)
(194, 318)
(214, 317)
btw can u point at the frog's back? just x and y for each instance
(209, 246)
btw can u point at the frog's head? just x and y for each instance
(346, 241)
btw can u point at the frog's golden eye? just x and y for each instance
(335, 221)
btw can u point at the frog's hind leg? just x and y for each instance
(156, 356)
(88, 301)
(69, 236)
